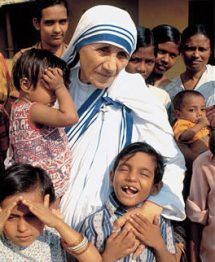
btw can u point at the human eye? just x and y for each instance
(123, 54)
(49, 22)
(104, 49)
(149, 61)
(135, 60)
(203, 109)
(145, 173)
(190, 48)
(202, 49)
(123, 168)
(12, 217)
(191, 110)
(161, 52)
(173, 56)
(63, 21)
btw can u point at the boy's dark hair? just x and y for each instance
(42, 4)
(212, 142)
(179, 98)
(20, 178)
(33, 62)
(143, 147)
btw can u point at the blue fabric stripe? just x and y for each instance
(107, 27)
(85, 108)
(110, 31)
(89, 112)
(105, 37)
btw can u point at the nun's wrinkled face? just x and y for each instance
(100, 63)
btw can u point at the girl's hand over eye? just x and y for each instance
(43, 213)
(5, 213)
(52, 79)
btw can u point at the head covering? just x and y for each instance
(103, 24)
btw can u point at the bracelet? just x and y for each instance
(82, 245)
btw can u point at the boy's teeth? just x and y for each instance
(130, 189)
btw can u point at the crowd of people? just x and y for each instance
(103, 158)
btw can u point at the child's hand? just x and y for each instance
(203, 121)
(52, 78)
(147, 232)
(5, 213)
(43, 213)
(120, 244)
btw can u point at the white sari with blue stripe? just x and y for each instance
(102, 132)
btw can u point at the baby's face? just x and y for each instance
(133, 179)
(22, 227)
(192, 109)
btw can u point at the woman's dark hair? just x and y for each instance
(193, 30)
(144, 37)
(212, 142)
(166, 33)
(33, 62)
(143, 147)
(179, 98)
(21, 178)
(42, 4)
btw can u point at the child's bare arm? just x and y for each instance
(70, 237)
(149, 234)
(119, 244)
(189, 134)
(52, 80)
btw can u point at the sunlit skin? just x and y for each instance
(142, 61)
(100, 63)
(22, 227)
(192, 109)
(166, 57)
(196, 53)
(52, 26)
(133, 179)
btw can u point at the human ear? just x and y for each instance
(46, 201)
(177, 113)
(25, 84)
(111, 177)
(156, 188)
(36, 23)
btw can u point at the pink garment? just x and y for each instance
(201, 202)
(44, 146)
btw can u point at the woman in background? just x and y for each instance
(142, 61)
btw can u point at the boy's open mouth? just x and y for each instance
(130, 190)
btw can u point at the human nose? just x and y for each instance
(132, 175)
(57, 27)
(22, 225)
(110, 64)
(141, 68)
(196, 53)
(165, 58)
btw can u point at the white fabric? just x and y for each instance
(206, 85)
(93, 153)
(162, 95)
(98, 22)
